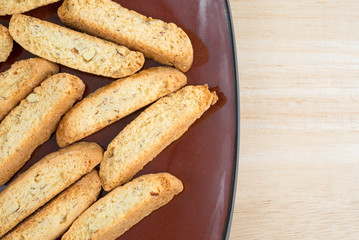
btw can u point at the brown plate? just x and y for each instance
(205, 157)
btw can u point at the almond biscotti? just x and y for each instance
(116, 100)
(125, 206)
(10, 7)
(44, 180)
(152, 131)
(23, 76)
(164, 42)
(33, 121)
(5, 43)
(74, 49)
(56, 217)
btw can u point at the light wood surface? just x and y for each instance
(299, 84)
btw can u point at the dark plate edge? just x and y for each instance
(231, 37)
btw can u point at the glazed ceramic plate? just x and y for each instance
(205, 157)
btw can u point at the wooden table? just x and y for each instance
(299, 84)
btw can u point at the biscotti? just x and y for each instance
(6, 43)
(116, 100)
(125, 206)
(10, 7)
(163, 42)
(74, 49)
(45, 180)
(23, 76)
(33, 121)
(153, 130)
(52, 220)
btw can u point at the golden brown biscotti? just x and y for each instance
(118, 211)
(52, 220)
(32, 122)
(44, 180)
(152, 131)
(6, 43)
(161, 41)
(23, 76)
(116, 100)
(74, 49)
(10, 7)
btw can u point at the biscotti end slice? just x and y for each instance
(56, 217)
(116, 100)
(23, 76)
(33, 121)
(6, 43)
(161, 41)
(10, 7)
(152, 131)
(125, 206)
(74, 49)
(44, 180)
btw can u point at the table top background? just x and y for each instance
(298, 67)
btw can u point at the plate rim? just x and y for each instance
(234, 175)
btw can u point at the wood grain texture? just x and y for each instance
(299, 84)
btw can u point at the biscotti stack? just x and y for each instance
(59, 195)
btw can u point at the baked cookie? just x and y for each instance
(10, 7)
(161, 41)
(6, 43)
(152, 131)
(118, 211)
(74, 49)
